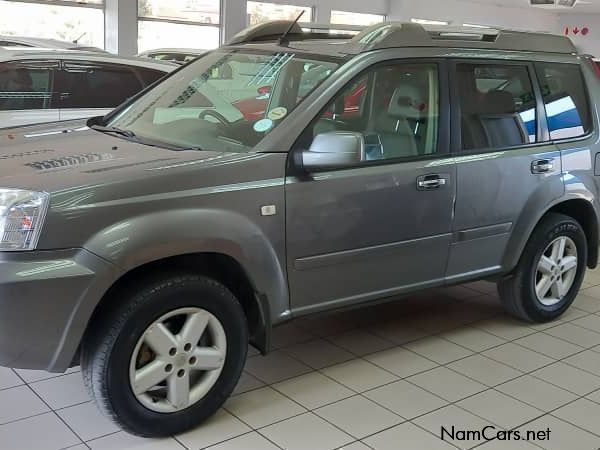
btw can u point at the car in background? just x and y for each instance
(45, 85)
(177, 55)
(33, 42)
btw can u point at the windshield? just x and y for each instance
(227, 100)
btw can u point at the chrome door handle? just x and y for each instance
(542, 166)
(428, 182)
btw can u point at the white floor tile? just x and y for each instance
(401, 362)
(439, 350)
(359, 375)
(43, 432)
(274, 367)
(569, 378)
(407, 436)
(124, 441)
(62, 392)
(262, 407)
(359, 416)
(87, 421)
(250, 441)
(447, 384)
(484, 370)
(313, 390)
(19, 403)
(8, 378)
(307, 431)
(220, 427)
(319, 353)
(537, 393)
(405, 399)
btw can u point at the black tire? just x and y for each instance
(113, 335)
(517, 291)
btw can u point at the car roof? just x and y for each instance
(46, 43)
(181, 51)
(324, 39)
(21, 53)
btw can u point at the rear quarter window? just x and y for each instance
(566, 100)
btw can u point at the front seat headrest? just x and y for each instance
(407, 102)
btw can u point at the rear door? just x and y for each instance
(27, 92)
(507, 167)
(89, 89)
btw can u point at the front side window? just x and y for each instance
(226, 100)
(26, 86)
(565, 98)
(394, 107)
(497, 106)
(90, 85)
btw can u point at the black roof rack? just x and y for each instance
(398, 34)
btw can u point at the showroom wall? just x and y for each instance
(586, 41)
(460, 11)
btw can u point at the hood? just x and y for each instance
(53, 157)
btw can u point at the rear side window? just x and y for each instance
(565, 98)
(497, 106)
(149, 76)
(91, 85)
(26, 86)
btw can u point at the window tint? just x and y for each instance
(395, 107)
(497, 104)
(89, 85)
(26, 86)
(149, 76)
(565, 98)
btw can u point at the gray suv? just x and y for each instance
(291, 173)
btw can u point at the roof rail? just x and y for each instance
(273, 30)
(396, 34)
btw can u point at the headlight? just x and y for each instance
(22, 215)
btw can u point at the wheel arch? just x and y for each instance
(218, 266)
(578, 208)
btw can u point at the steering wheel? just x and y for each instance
(217, 115)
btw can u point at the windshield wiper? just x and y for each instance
(120, 131)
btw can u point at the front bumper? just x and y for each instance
(46, 301)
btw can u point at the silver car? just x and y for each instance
(44, 85)
(288, 174)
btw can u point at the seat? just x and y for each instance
(501, 123)
(397, 136)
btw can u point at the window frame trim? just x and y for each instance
(71, 3)
(444, 122)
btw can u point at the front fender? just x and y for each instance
(147, 238)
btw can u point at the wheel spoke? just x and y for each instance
(545, 266)
(543, 286)
(558, 249)
(569, 263)
(160, 339)
(194, 328)
(178, 390)
(208, 358)
(559, 288)
(149, 376)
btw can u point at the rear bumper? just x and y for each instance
(46, 300)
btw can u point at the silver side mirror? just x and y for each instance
(334, 149)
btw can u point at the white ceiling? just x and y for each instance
(581, 7)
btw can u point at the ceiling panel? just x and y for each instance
(581, 7)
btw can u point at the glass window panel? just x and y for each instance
(65, 23)
(200, 11)
(395, 108)
(259, 12)
(153, 34)
(350, 18)
(566, 101)
(497, 106)
(26, 86)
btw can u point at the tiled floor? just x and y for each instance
(385, 377)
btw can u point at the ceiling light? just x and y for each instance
(429, 22)
(472, 25)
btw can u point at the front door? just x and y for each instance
(383, 226)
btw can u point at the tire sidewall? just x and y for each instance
(534, 308)
(151, 306)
